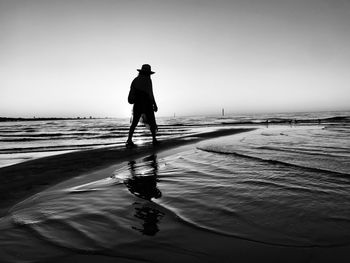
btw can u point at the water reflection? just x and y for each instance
(143, 180)
(150, 217)
(143, 183)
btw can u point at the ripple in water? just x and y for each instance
(269, 203)
(231, 195)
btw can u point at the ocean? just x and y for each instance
(284, 184)
(21, 141)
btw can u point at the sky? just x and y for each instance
(72, 58)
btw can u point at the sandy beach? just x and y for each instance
(25, 179)
(75, 208)
(174, 131)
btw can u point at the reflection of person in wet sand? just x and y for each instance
(143, 184)
(141, 95)
(151, 217)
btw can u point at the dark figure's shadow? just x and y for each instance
(143, 184)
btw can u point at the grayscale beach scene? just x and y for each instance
(174, 131)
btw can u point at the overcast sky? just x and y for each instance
(78, 57)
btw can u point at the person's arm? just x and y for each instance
(155, 107)
(132, 95)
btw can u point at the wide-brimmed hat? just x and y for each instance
(146, 69)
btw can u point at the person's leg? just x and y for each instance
(153, 125)
(135, 121)
(153, 131)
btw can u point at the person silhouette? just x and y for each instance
(141, 95)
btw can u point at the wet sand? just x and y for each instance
(174, 243)
(25, 179)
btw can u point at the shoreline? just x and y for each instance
(9, 119)
(20, 181)
(175, 242)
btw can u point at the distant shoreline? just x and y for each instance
(5, 119)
